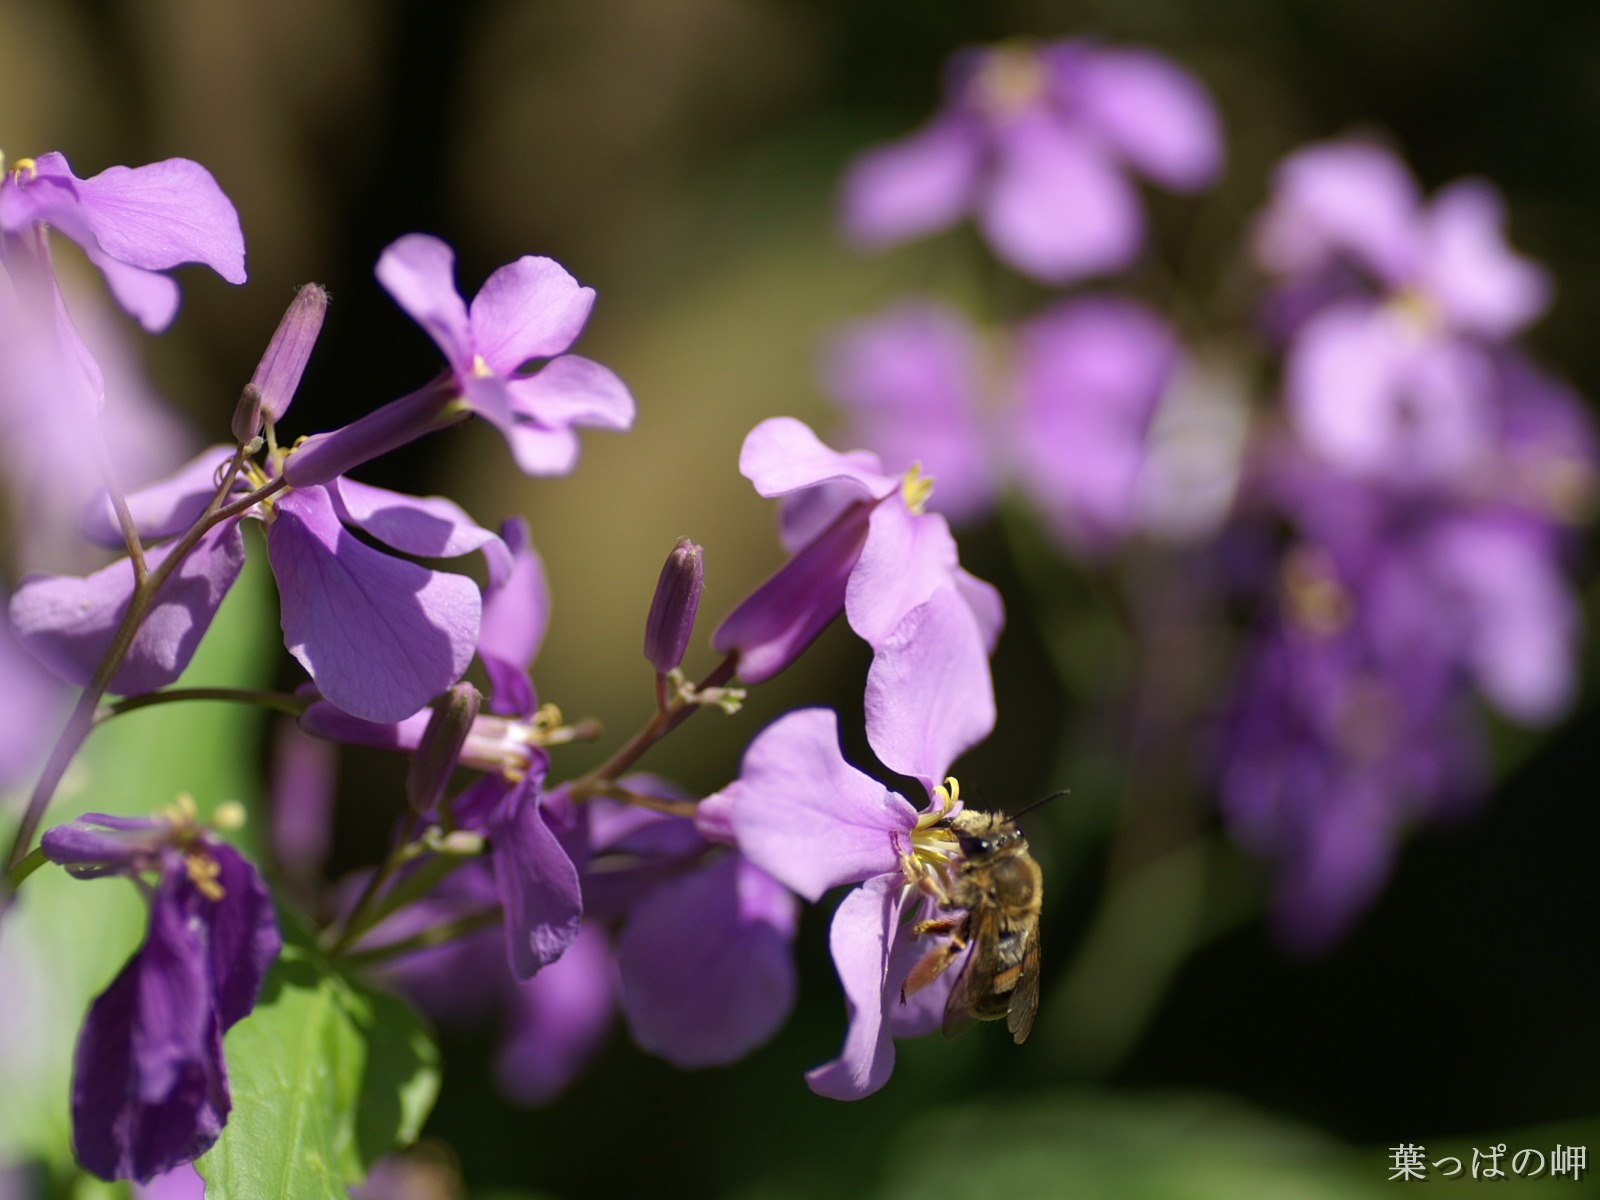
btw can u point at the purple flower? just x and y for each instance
(527, 311)
(861, 542)
(132, 222)
(1393, 306)
(1090, 374)
(557, 1021)
(379, 635)
(1036, 140)
(813, 822)
(149, 1088)
(32, 705)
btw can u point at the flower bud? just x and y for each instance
(247, 415)
(671, 620)
(278, 374)
(440, 748)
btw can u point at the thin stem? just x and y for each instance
(275, 701)
(661, 804)
(656, 728)
(425, 939)
(119, 505)
(352, 927)
(29, 864)
(81, 720)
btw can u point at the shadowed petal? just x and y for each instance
(242, 932)
(419, 271)
(707, 970)
(558, 1020)
(163, 509)
(381, 637)
(907, 557)
(68, 623)
(859, 939)
(515, 616)
(782, 455)
(538, 883)
(426, 526)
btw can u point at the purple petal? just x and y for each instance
(334, 724)
(426, 526)
(782, 455)
(538, 884)
(1341, 200)
(323, 457)
(516, 613)
(910, 379)
(1057, 209)
(32, 710)
(808, 818)
(706, 964)
(163, 214)
(98, 844)
(1483, 287)
(1157, 115)
(929, 696)
(539, 451)
(558, 1021)
(165, 509)
(777, 621)
(864, 926)
(912, 187)
(1091, 374)
(381, 637)
(278, 374)
(527, 309)
(180, 1183)
(907, 557)
(148, 1085)
(68, 623)
(242, 932)
(988, 609)
(419, 271)
(150, 298)
(572, 390)
(304, 778)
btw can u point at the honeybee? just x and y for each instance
(999, 887)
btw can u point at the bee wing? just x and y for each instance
(975, 979)
(1025, 996)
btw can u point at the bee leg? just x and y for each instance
(947, 925)
(930, 966)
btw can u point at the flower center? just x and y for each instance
(1417, 312)
(1011, 80)
(932, 842)
(22, 171)
(504, 745)
(1316, 600)
(915, 488)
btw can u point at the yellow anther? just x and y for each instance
(1317, 601)
(915, 488)
(228, 816)
(1417, 312)
(22, 170)
(547, 720)
(203, 871)
(481, 369)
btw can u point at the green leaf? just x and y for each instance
(327, 1076)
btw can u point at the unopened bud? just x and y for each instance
(440, 747)
(278, 375)
(247, 415)
(671, 620)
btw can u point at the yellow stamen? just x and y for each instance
(23, 170)
(1011, 80)
(228, 816)
(1316, 600)
(915, 488)
(1418, 314)
(481, 369)
(203, 871)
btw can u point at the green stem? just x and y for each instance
(275, 701)
(30, 863)
(425, 939)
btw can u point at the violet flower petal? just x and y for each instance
(426, 526)
(241, 932)
(516, 613)
(706, 964)
(538, 883)
(864, 926)
(1057, 209)
(148, 1085)
(381, 637)
(782, 455)
(907, 557)
(912, 187)
(68, 623)
(808, 818)
(419, 272)
(572, 390)
(558, 1020)
(1468, 270)
(1156, 114)
(164, 509)
(528, 309)
(930, 697)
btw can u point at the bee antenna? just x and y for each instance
(1041, 801)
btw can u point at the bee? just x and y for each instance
(999, 888)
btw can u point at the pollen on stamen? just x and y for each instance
(915, 488)
(203, 871)
(480, 368)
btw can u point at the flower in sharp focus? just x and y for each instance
(811, 821)
(1037, 141)
(527, 311)
(861, 542)
(132, 222)
(149, 1086)
(1393, 307)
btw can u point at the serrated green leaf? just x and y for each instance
(327, 1076)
